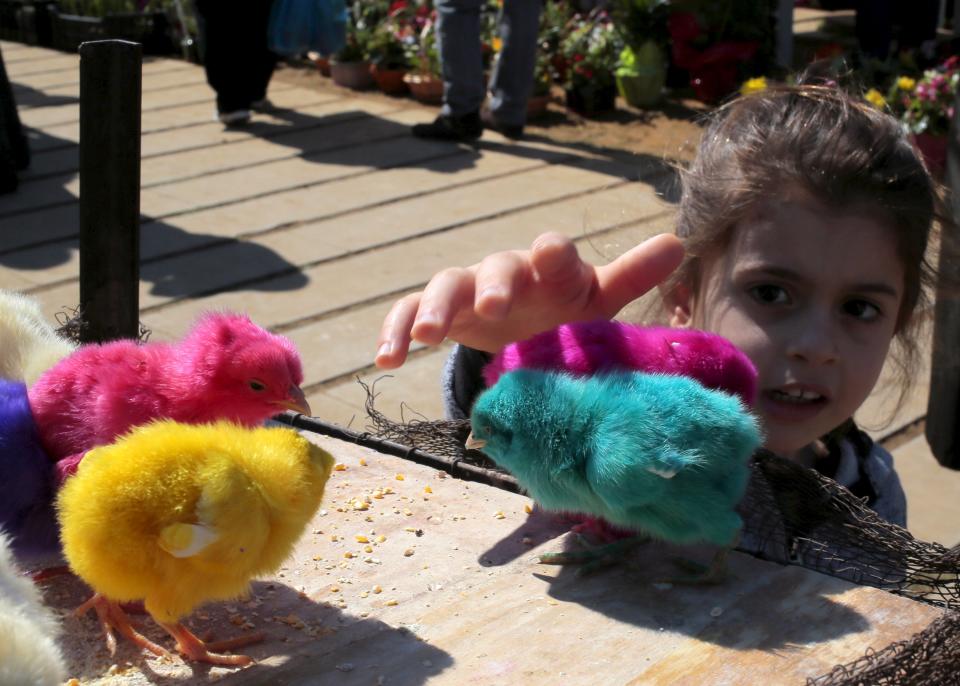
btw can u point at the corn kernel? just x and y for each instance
(317, 558)
(377, 589)
(368, 548)
(390, 603)
(360, 505)
(407, 512)
(364, 594)
(527, 508)
(381, 538)
(334, 538)
(427, 489)
(399, 477)
(362, 539)
(410, 529)
(387, 490)
(348, 554)
(363, 462)
(334, 589)
(340, 467)
(408, 552)
(499, 514)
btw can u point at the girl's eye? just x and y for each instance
(257, 385)
(862, 310)
(768, 294)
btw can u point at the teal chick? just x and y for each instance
(656, 454)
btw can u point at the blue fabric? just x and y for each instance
(26, 475)
(297, 26)
(458, 34)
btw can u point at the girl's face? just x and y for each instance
(811, 296)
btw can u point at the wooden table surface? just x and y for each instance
(455, 595)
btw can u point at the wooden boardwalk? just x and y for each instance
(312, 220)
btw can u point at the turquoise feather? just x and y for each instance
(658, 454)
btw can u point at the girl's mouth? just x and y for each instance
(796, 396)
(792, 403)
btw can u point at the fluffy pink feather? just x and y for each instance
(226, 367)
(582, 348)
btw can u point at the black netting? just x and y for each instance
(931, 657)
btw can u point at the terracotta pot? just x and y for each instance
(933, 148)
(537, 105)
(426, 88)
(390, 81)
(323, 65)
(355, 75)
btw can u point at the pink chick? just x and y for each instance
(226, 367)
(595, 347)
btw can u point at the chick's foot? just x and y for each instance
(597, 557)
(113, 618)
(701, 575)
(194, 649)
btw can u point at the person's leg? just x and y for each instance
(263, 61)
(512, 79)
(458, 41)
(224, 58)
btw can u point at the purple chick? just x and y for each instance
(26, 476)
(602, 345)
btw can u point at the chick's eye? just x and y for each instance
(769, 294)
(257, 385)
(862, 310)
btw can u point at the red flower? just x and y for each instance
(578, 58)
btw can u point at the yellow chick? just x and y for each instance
(176, 515)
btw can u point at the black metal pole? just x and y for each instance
(110, 85)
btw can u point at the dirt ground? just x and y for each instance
(670, 131)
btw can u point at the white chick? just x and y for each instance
(29, 655)
(29, 345)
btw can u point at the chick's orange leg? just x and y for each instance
(112, 617)
(195, 649)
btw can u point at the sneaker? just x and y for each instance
(465, 128)
(262, 105)
(512, 132)
(234, 117)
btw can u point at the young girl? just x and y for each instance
(804, 223)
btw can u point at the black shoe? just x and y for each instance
(450, 128)
(512, 132)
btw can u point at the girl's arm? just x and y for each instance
(512, 295)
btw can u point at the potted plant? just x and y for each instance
(350, 66)
(925, 106)
(424, 78)
(542, 82)
(641, 71)
(591, 50)
(388, 50)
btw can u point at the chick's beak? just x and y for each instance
(474, 443)
(296, 401)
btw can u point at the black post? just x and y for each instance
(943, 405)
(110, 84)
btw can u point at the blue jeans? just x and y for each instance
(458, 35)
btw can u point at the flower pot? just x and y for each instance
(390, 81)
(592, 100)
(644, 86)
(355, 75)
(323, 65)
(426, 88)
(537, 105)
(933, 149)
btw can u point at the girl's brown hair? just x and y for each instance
(841, 150)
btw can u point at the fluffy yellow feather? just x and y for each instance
(178, 514)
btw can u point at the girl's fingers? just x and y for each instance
(447, 293)
(394, 340)
(498, 277)
(637, 271)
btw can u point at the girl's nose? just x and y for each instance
(814, 341)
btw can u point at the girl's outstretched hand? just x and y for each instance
(515, 294)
